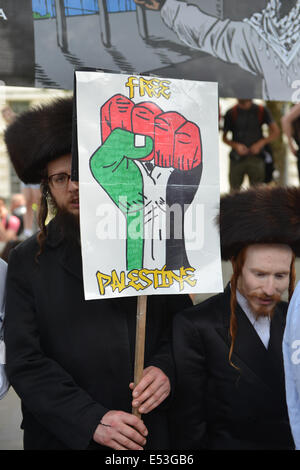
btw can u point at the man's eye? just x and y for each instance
(60, 178)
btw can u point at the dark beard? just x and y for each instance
(68, 224)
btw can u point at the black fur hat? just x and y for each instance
(259, 215)
(39, 136)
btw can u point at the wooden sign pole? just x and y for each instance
(139, 343)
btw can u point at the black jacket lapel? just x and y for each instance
(69, 254)
(249, 348)
(71, 260)
(275, 355)
(277, 330)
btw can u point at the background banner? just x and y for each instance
(149, 185)
(252, 49)
(17, 63)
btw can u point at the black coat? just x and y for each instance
(72, 360)
(218, 406)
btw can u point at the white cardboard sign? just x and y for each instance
(149, 185)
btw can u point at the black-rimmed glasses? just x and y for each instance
(59, 180)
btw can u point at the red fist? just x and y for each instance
(143, 116)
(116, 112)
(177, 142)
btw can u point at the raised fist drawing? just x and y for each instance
(148, 161)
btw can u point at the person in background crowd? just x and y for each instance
(230, 389)
(291, 127)
(8, 114)
(31, 193)
(9, 224)
(249, 147)
(71, 361)
(4, 383)
(18, 209)
(32, 196)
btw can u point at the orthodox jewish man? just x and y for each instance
(70, 360)
(230, 390)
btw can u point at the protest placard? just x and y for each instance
(149, 185)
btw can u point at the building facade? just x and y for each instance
(17, 100)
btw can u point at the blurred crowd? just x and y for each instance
(18, 219)
(252, 134)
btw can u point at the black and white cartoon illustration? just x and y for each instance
(251, 49)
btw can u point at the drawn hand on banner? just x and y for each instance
(142, 147)
(113, 167)
(167, 174)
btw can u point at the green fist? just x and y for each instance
(113, 167)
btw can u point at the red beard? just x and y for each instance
(268, 310)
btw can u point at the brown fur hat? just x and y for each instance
(39, 136)
(259, 215)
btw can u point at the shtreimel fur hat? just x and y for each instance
(39, 136)
(259, 215)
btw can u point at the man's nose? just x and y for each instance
(73, 185)
(269, 286)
